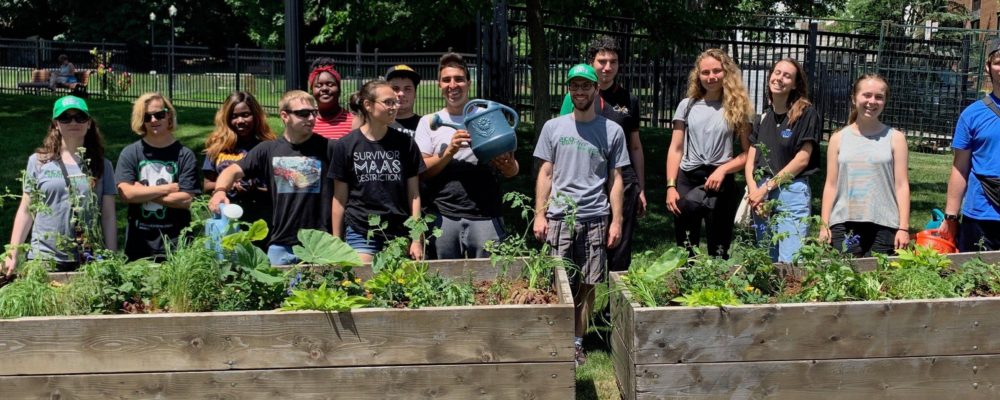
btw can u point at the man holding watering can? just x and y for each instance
(582, 155)
(463, 190)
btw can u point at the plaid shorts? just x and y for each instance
(585, 246)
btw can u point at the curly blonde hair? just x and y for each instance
(735, 102)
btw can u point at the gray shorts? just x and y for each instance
(586, 247)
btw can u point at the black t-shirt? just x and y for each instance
(408, 125)
(783, 142)
(153, 166)
(255, 199)
(376, 173)
(622, 107)
(295, 176)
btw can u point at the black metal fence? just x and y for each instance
(204, 76)
(933, 73)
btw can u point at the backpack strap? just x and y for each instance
(992, 105)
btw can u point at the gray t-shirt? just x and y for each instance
(709, 139)
(580, 153)
(866, 183)
(50, 187)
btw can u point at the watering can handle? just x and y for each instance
(511, 112)
(472, 105)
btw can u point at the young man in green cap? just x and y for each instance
(617, 104)
(581, 155)
(404, 81)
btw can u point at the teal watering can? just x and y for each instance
(219, 226)
(492, 134)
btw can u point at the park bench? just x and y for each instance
(40, 80)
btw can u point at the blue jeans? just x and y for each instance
(281, 255)
(362, 244)
(790, 220)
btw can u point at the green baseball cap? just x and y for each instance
(582, 71)
(68, 103)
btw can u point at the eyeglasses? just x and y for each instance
(158, 115)
(389, 103)
(581, 88)
(78, 118)
(304, 113)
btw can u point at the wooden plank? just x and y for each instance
(817, 331)
(956, 377)
(274, 339)
(459, 382)
(622, 336)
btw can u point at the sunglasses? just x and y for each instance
(78, 118)
(304, 113)
(159, 115)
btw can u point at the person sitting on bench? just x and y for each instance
(64, 75)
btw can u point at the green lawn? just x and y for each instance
(24, 119)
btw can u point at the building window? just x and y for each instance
(974, 24)
(976, 4)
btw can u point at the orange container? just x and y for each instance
(933, 239)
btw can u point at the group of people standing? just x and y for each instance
(334, 166)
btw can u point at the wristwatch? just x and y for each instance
(951, 217)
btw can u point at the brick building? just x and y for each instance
(984, 13)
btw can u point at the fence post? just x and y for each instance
(657, 88)
(881, 44)
(38, 53)
(357, 65)
(376, 63)
(811, 53)
(106, 59)
(236, 62)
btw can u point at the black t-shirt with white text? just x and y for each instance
(408, 125)
(783, 142)
(150, 221)
(376, 173)
(295, 176)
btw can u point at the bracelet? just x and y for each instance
(671, 183)
(904, 229)
(217, 190)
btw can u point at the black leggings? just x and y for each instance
(861, 239)
(717, 209)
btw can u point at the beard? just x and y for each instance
(585, 106)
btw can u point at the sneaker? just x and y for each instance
(581, 357)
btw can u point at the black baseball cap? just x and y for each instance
(994, 46)
(404, 71)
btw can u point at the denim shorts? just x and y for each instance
(362, 244)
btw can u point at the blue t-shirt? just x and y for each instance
(978, 130)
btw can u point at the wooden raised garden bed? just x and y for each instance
(919, 349)
(492, 352)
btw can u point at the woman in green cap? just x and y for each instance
(73, 187)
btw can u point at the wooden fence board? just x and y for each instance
(459, 381)
(274, 339)
(818, 331)
(959, 377)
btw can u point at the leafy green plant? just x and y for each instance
(647, 281)
(104, 285)
(323, 299)
(31, 294)
(976, 277)
(191, 277)
(708, 297)
(828, 273)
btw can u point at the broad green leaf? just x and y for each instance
(321, 248)
(266, 279)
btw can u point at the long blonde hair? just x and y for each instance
(223, 139)
(735, 102)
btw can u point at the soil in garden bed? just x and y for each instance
(513, 292)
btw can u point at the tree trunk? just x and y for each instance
(539, 66)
